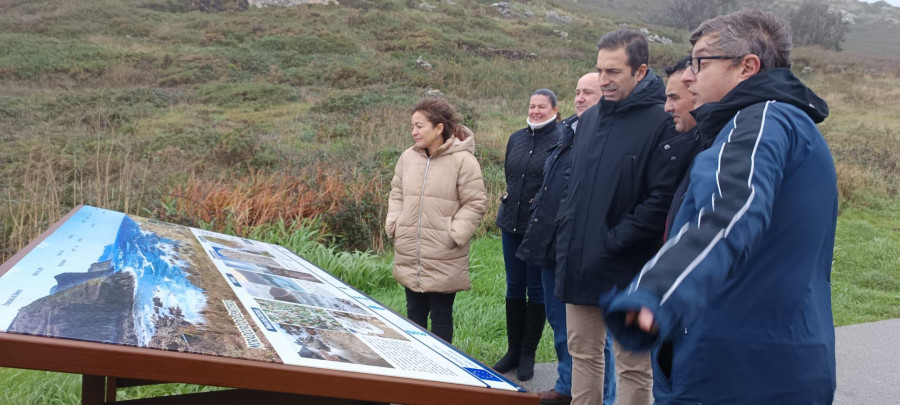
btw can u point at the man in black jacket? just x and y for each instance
(678, 98)
(689, 143)
(612, 218)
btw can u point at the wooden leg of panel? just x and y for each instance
(93, 388)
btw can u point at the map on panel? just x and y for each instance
(104, 276)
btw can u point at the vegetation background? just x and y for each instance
(284, 124)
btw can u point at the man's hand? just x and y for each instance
(644, 320)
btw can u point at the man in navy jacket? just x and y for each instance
(612, 217)
(737, 303)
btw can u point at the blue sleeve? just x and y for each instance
(677, 284)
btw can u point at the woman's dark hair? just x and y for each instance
(546, 92)
(549, 94)
(439, 111)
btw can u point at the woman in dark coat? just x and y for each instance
(526, 153)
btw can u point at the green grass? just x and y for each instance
(866, 269)
(27, 387)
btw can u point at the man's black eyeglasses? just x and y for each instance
(694, 63)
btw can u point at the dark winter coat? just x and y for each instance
(683, 146)
(741, 291)
(526, 153)
(539, 243)
(621, 185)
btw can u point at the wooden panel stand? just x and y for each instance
(107, 367)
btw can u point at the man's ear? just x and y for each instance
(750, 65)
(641, 72)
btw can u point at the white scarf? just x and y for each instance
(535, 127)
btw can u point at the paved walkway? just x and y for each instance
(868, 365)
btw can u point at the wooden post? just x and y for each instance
(93, 388)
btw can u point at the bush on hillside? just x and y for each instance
(30, 57)
(324, 43)
(358, 223)
(262, 95)
(346, 102)
(208, 6)
(688, 14)
(814, 23)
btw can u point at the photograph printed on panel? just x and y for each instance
(104, 276)
(333, 345)
(299, 315)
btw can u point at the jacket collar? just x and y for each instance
(649, 91)
(453, 145)
(543, 130)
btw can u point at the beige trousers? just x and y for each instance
(586, 337)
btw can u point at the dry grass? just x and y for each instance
(52, 183)
(258, 198)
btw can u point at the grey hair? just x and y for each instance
(750, 32)
(548, 93)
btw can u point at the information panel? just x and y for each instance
(104, 276)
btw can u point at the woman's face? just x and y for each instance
(540, 109)
(425, 134)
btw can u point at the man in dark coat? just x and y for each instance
(612, 218)
(688, 144)
(737, 303)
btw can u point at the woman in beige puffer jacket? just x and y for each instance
(437, 200)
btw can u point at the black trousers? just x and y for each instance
(439, 305)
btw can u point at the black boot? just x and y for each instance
(515, 324)
(534, 327)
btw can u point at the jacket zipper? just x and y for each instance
(419, 225)
(522, 186)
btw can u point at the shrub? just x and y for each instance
(29, 57)
(242, 203)
(358, 222)
(815, 23)
(191, 139)
(688, 14)
(340, 102)
(324, 42)
(348, 77)
(191, 69)
(852, 180)
(236, 94)
(237, 146)
(212, 6)
(301, 76)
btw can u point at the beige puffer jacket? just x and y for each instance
(434, 209)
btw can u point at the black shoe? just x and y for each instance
(515, 324)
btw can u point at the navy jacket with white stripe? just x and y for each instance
(741, 291)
